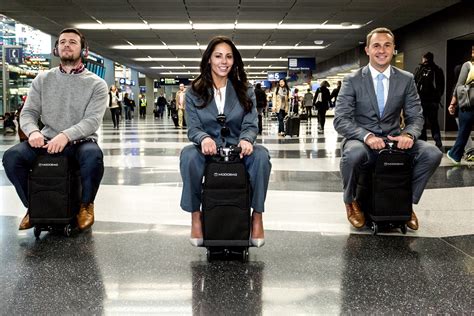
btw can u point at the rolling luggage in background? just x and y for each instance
(174, 117)
(303, 117)
(54, 187)
(384, 191)
(291, 124)
(226, 204)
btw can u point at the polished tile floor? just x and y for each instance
(137, 259)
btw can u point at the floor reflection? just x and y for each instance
(227, 288)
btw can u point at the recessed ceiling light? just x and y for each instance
(318, 42)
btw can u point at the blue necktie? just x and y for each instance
(380, 93)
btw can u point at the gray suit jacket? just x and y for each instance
(357, 113)
(203, 123)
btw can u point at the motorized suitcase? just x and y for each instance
(384, 191)
(226, 204)
(54, 193)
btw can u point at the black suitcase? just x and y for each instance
(226, 206)
(384, 191)
(174, 117)
(292, 126)
(54, 193)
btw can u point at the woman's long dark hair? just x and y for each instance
(237, 75)
(284, 86)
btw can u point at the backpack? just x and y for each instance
(425, 82)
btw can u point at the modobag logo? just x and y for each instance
(393, 164)
(51, 164)
(224, 174)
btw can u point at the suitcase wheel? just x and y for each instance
(67, 230)
(209, 255)
(375, 228)
(404, 229)
(37, 231)
(245, 255)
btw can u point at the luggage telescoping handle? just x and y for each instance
(228, 152)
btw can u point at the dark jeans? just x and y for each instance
(115, 116)
(142, 111)
(430, 113)
(466, 121)
(281, 116)
(128, 113)
(322, 118)
(260, 119)
(19, 159)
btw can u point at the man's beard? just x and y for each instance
(70, 61)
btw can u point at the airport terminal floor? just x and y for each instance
(137, 259)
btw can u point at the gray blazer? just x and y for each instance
(203, 123)
(357, 113)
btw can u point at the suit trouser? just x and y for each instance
(430, 113)
(193, 163)
(357, 155)
(180, 117)
(19, 159)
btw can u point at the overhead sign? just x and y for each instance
(173, 81)
(301, 63)
(276, 76)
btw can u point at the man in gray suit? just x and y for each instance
(368, 108)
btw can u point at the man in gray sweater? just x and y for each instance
(71, 102)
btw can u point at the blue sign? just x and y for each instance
(301, 63)
(276, 76)
(14, 55)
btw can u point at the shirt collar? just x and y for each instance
(374, 72)
(76, 70)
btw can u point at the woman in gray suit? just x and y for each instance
(222, 88)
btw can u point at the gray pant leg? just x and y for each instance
(427, 158)
(354, 155)
(258, 166)
(191, 164)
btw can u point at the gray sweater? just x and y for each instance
(73, 104)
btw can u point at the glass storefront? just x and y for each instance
(24, 52)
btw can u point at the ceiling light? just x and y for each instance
(199, 59)
(318, 42)
(217, 26)
(192, 47)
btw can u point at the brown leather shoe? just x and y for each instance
(25, 222)
(413, 222)
(85, 217)
(355, 215)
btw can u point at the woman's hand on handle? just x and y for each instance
(208, 146)
(247, 148)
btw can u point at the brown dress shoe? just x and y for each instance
(355, 215)
(25, 222)
(85, 217)
(413, 222)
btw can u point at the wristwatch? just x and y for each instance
(408, 135)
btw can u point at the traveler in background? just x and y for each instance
(161, 104)
(181, 105)
(429, 79)
(127, 102)
(308, 103)
(366, 112)
(74, 114)
(114, 105)
(295, 101)
(261, 98)
(466, 117)
(280, 104)
(334, 94)
(222, 88)
(321, 101)
(142, 104)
